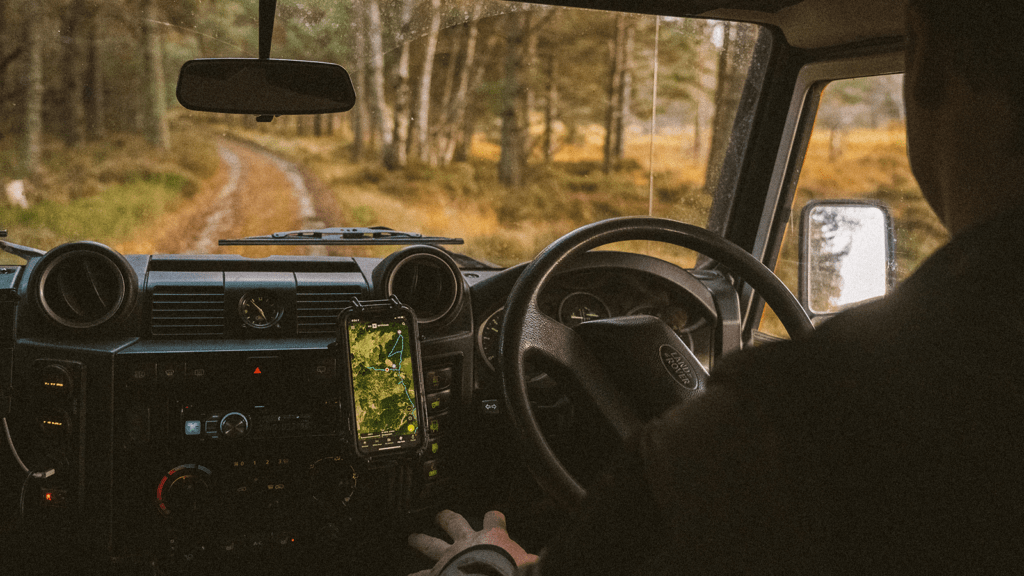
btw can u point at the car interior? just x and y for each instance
(198, 413)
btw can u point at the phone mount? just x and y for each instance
(380, 375)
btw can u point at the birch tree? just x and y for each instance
(512, 161)
(157, 130)
(34, 92)
(379, 110)
(422, 125)
(455, 113)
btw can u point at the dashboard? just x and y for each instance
(194, 411)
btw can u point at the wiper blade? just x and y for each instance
(24, 252)
(379, 235)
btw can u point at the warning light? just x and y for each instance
(54, 497)
(257, 371)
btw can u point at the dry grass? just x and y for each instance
(871, 165)
(506, 227)
(867, 161)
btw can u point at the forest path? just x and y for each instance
(264, 193)
(254, 192)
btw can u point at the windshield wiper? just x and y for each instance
(25, 252)
(379, 235)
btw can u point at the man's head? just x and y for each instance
(965, 104)
(980, 40)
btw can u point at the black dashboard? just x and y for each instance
(192, 407)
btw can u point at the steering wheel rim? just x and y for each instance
(526, 330)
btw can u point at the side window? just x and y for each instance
(858, 150)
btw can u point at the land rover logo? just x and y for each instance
(678, 367)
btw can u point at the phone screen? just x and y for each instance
(384, 382)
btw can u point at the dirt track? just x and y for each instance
(252, 193)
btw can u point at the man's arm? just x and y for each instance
(693, 490)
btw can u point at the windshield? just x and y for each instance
(507, 125)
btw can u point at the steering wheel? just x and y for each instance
(631, 368)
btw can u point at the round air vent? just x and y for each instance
(424, 278)
(84, 285)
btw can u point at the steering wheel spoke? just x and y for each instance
(562, 347)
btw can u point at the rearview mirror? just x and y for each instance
(264, 86)
(846, 254)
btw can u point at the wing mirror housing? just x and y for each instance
(847, 255)
(264, 86)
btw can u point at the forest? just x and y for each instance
(429, 74)
(508, 124)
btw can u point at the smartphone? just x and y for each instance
(380, 346)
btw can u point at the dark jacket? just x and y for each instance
(891, 440)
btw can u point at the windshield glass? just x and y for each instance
(507, 125)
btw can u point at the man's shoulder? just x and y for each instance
(966, 296)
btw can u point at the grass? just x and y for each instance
(509, 226)
(466, 200)
(115, 213)
(131, 193)
(105, 191)
(870, 165)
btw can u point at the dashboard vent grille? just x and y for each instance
(318, 308)
(188, 311)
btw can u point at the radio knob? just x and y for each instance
(234, 425)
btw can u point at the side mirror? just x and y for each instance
(264, 86)
(846, 255)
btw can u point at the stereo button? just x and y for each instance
(234, 425)
(437, 403)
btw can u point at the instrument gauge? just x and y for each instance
(489, 336)
(260, 309)
(580, 307)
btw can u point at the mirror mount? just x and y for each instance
(268, 8)
(847, 255)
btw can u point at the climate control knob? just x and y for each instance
(234, 425)
(184, 491)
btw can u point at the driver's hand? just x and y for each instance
(494, 533)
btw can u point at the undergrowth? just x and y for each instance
(106, 190)
(509, 225)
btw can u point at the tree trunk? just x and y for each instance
(157, 130)
(835, 142)
(697, 135)
(512, 161)
(457, 111)
(550, 109)
(464, 144)
(397, 155)
(625, 91)
(422, 141)
(529, 80)
(360, 114)
(379, 110)
(447, 91)
(74, 28)
(614, 109)
(94, 88)
(34, 93)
